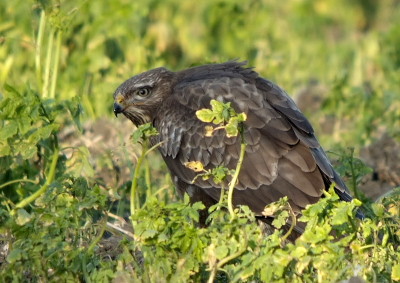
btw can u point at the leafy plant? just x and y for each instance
(52, 219)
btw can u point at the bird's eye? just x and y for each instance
(143, 92)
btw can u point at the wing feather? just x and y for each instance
(282, 158)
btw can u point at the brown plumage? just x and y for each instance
(282, 158)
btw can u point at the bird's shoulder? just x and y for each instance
(276, 132)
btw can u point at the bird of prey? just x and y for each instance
(282, 155)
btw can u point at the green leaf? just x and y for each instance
(280, 219)
(149, 233)
(64, 200)
(186, 198)
(9, 130)
(232, 128)
(162, 238)
(23, 217)
(377, 209)
(14, 255)
(242, 117)
(219, 173)
(46, 219)
(42, 133)
(75, 108)
(85, 160)
(4, 150)
(205, 115)
(27, 150)
(143, 132)
(221, 252)
(396, 272)
(217, 106)
(198, 205)
(7, 107)
(24, 124)
(10, 89)
(341, 215)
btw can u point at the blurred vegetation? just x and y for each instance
(351, 47)
(62, 59)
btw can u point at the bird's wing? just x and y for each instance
(281, 101)
(282, 156)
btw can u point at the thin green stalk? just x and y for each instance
(235, 255)
(98, 238)
(236, 175)
(56, 61)
(35, 195)
(291, 226)
(48, 61)
(147, 174)
(85, 97)
(91, 247)
(42, 25)
(134, 181)
(127, 159)
(154, 147)
(221, 198)
(17, 181)
(222, 262)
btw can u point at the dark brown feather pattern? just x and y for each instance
(282, 158)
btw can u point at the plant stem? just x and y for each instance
(134, 181)
(42, 25)
(291, 226)
(48, 61)
(236, 175)
(35, 195)
(91, 247)
(221, 198)
(56, 61)
(222, 262)
(147, 174)
(17, 181)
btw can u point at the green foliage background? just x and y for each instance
(352, 48)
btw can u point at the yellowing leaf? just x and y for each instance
(196, 166)
(231, 130)
(302, 264)
(270, 210)
(205, 115)
(218, 106)
(208, 131)
(242, 117)
(23, 217)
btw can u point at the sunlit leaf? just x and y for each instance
(196, 166)
(9, 130)
(23, 217)
(205, 115)
(396, 272)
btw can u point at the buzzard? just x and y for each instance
(282, 157)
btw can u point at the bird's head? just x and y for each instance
(139, 97)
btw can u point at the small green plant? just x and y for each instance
(225, 117)
(45, 224)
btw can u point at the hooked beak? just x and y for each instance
(117, 109)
